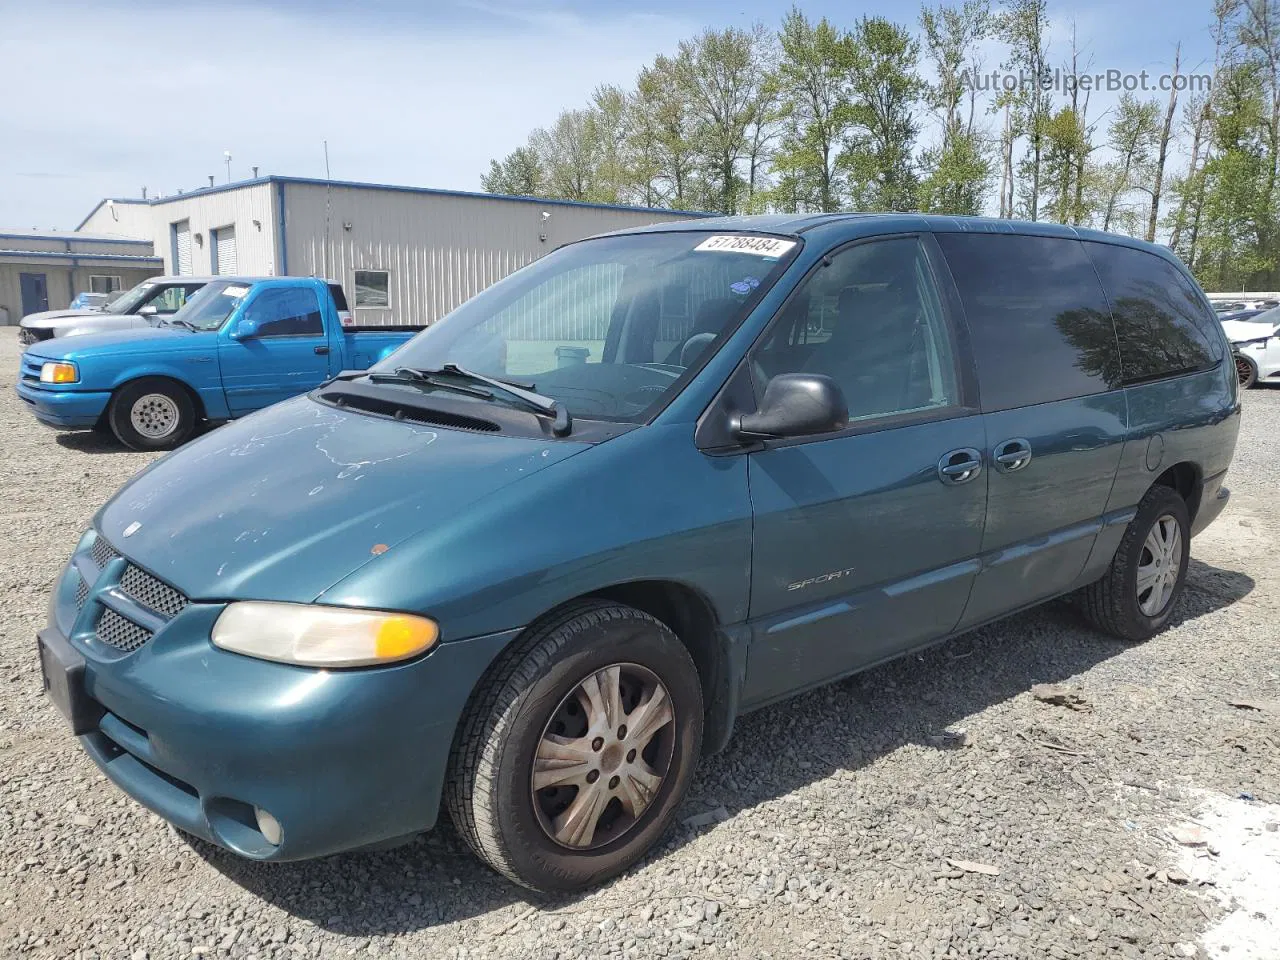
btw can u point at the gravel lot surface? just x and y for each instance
(934, 807)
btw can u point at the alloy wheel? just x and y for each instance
(1159, 566)
(603, 756)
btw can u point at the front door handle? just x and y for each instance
(1012, 455)
(960, 466)
(322, 350)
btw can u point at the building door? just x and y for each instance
(35, 292)
(182, 248)
(224, 251)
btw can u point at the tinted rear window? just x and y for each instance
(1160, 317)
(1040, 324)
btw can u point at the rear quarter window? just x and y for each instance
(1160, 317)
(1039, 322)
(339, 297)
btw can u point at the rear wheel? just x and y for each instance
(1136, 597)
(1247, 371)
(578, 749)
(152, 414)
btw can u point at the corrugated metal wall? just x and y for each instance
(249, 209)
(127, 218)
(70, 243)
(60, 282)
(439, 249)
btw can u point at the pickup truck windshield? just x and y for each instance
(210, 306)
(607, 327)
(127, 301)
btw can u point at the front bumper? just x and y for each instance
(341, 758)
(64, 409)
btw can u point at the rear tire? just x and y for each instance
(1246, 370)
(1135, 598)
(555, 794)
(151, 414)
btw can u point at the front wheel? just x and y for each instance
(151, 414)
(1135, 598)
(578, 748)
(1246, 371)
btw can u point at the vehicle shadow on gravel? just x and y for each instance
(775, 751)
(99, 442)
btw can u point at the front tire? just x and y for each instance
(578, 748)
(1135, 598)
(1246, 371)
(151, 414)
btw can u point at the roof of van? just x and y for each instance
(797, 224)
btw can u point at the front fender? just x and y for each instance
(201, 377)
(644, 506)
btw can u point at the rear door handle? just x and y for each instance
(1012, 455)
(960, 466)
(322, 350)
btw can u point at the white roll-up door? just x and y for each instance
(225, 240)
(182, 246)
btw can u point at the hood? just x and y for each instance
(285, 503)
(1238, 331)
(55, 318)
(139, 340)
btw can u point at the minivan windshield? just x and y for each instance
(607, 327)
(127, 301)
(210, 306)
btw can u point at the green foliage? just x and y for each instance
(829, 115)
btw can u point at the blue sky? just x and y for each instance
(103, 98)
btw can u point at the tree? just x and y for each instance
(722, 73)
(1023, 25)
(1162, 156)
(814, 89)
(662, 124)
(1066, 144)
(958, 171)
(519, 173)
(884, 89)
(1133, 136)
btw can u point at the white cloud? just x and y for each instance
(103, 99)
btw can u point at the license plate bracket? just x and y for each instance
(63, 670)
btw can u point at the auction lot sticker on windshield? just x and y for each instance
(235, 291)
(737, 243)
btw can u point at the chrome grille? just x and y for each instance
(102, 553)
(82, 593)
(150, 592)
(125, 635)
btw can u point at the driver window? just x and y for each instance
(872, 321)
(286, 312)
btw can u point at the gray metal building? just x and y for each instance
(44, 270)
(403, 254)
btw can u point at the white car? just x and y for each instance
(1256, 345)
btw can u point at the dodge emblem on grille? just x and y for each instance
(131, 529)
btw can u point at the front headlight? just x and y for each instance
(58, 372)
(317, 636)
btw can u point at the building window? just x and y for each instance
(104, 284)
(371, 288)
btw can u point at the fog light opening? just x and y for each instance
(269, 826)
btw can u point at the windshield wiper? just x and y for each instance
(410, 375)
(179, 322)
(562, 420)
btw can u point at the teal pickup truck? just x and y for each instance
(239, 344)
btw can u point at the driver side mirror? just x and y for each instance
(794, 405)
(246, 329)
(150, 310)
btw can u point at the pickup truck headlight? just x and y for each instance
(59, 372)
(318, 636)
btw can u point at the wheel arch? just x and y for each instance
(1187, 480)
(197, 402)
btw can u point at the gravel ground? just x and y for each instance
(933, 807)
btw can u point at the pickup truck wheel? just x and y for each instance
(151, 415)
(578, 748)
(1135, 598)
